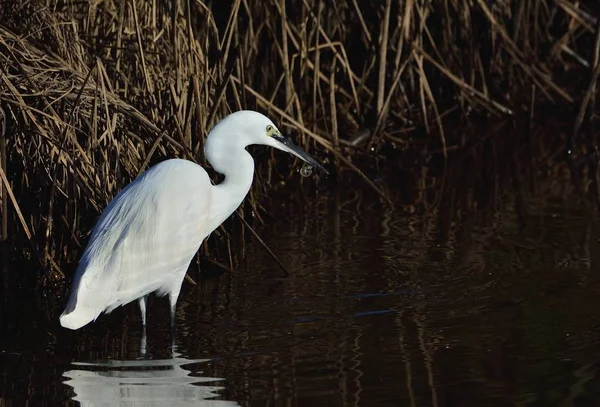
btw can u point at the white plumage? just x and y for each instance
(149, 233)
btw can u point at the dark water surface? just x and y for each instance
(379, 309)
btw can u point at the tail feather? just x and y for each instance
(84, 304)
(78, 317)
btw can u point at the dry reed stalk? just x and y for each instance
(285, 55)
(578, 16)
(316, 88)
(592, 138)
(388, 100)
(589, 95)
(256, 235)
(529, 134)
(383, 49)
(4, 190)
(333, 110)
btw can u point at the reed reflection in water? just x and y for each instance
(173, 382)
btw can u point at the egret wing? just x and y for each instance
(145, 238)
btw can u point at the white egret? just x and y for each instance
(148, 234)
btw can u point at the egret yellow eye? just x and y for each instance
(269, 129)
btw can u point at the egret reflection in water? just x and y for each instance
(144, 382)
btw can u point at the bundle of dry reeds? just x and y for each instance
(94, 92)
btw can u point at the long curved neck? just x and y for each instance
(229, 194)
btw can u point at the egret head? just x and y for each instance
(247, 127)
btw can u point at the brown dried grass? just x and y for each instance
(94, 92)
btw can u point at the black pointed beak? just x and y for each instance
(290, 147)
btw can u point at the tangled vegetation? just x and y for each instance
(94, 92)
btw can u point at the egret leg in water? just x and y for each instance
(148, 234)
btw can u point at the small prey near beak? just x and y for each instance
(287, 145)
